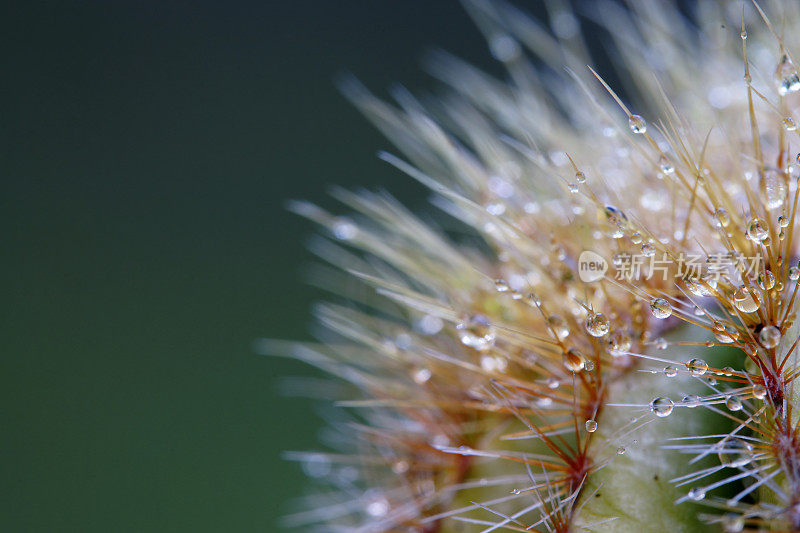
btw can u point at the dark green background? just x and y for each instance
(147, 151)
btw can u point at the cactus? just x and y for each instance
(600, 332)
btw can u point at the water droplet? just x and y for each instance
(618, 343)
(648, 250)
(421, 376)
(636, 237)
(697, 494)
(580, 177)
(766, 280)
(476, 332)
(756, 231)
(573, 188)
(698, 311)
(504, 48)
(744, 301)
(697, 367)
(743, 35)
(534, 300)
(786, 74)
(733, 403)
(621, 450)
(559, 326)
(344, 229)
(759, 392)
(794, 273)
(597, 324)
(769, 337)
(774, 189)
(670, 371)
(552, 383)
(637, 124)
(618, 221)
(660, 308)
(591, 426)
(588, 365)
(666, 165)
(574, 360)
(789, 124)
(662, 406)
(501, 285)
(493, 363)
(732, 523)
(721, 217)
(400, 467)
(691, 401)
(660, 343)
(723, 335)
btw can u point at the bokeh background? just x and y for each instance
(147, 149)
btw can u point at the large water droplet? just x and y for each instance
(774, 189)
(662, 406)
(744, 301)
(769, 337)
(691, 401)
(574, 360)
(591, 426)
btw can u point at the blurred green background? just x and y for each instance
(147, 151)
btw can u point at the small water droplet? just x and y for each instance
(591, 426)
(637, 124)
(670, 371)
(597, 324)
(691, 401)
(732, 523)
(698, 311)
(733, 403)
(756, 231)
(552, 383)
(662, 406)
(636, 237)
(721, 217)
(759, 392)
(476, 332)
(501, 285)
(786, 74)
(618, 343)
(400, 467)
(648, 250)
(516, 491)
(573, 188)
(344, 229)
(660, 308)
(660, 343)
(789, 124)
(666, 165)
(697, 494)
(580, 177)
(697, 367)
(621, 450)
(769, 337)
(421, 376)
(559, 326)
